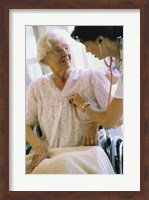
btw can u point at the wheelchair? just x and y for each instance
(113, 147)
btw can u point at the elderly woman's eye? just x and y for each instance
(57, 49)
(67, 48)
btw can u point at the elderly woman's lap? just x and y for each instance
(88, 161)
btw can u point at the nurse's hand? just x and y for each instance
(77, 100)
(90, 137)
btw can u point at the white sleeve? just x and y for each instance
(119, 90)
(31, 106)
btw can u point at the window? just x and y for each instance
(33, 69)
(80, 59)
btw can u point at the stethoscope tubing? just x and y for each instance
(109, 97)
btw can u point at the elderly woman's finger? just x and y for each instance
(87, 141)
(36, 161)
(33, 165)
(84, 141)
(39, 156)
(91, 142)
(96, 141)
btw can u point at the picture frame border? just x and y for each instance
(5, 6)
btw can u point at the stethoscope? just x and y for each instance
(110, 89)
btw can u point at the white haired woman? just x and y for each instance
(61, 151)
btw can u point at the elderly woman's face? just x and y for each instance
(59, 58)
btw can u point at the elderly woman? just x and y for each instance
(60, 151)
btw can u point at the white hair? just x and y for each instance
(45, 42)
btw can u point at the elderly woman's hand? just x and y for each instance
(39, 155)
(77, 100)
(90, 137)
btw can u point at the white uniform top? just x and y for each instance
(119, 90)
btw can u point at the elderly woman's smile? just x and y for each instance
(59, 56)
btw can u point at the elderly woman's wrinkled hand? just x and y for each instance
(76, 99)
(90, 137)
(38, 157)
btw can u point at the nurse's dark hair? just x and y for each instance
(90, 33)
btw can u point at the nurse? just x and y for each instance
(102, 42)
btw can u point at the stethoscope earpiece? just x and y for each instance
(100, 41)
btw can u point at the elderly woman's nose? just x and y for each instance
(64, 52)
